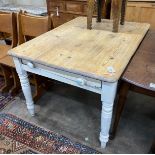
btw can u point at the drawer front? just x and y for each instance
(63, 76)
(62, 18)
(53, 6)
(141, 4)
(74, 7)
(141, 12)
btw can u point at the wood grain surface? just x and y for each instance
(74, 48)
(141, 70)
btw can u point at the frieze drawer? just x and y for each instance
(64, 76)
(74, 7)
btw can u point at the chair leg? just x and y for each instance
(119, 108)
(90, 10)
(123, 11)
(7, 75)
(38, 87)
(46, 84)
(107, 9)
(116, 11)
(17, 86)
(99, 9)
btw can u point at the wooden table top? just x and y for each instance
(93, 53)
(141, 69)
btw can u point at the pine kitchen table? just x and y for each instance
(90, 59)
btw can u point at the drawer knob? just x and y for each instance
(57, 11)
(31, 65)
(81, 82)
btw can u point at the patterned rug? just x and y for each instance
(19, 136)
(5, 98)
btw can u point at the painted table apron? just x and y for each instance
(90, 59)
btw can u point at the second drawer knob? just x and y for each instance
(81, 82)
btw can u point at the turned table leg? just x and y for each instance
(107, 98)
(116, 11)
(25, 85)
(90, 10)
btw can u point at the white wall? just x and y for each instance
(6, 2)
(31, 2)
(24, 2)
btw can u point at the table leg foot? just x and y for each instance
(31, 111)
(107, 97)
(103, 145)
(103, 141)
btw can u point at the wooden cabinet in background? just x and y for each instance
(141, 12)
(66, 10)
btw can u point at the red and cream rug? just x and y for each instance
(18, 136)
(5, 98)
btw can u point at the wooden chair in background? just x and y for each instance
(29, 27)
(118, 10)
(8, 25)
(139, 76)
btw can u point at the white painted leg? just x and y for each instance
(25, 85)
(107, 98)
